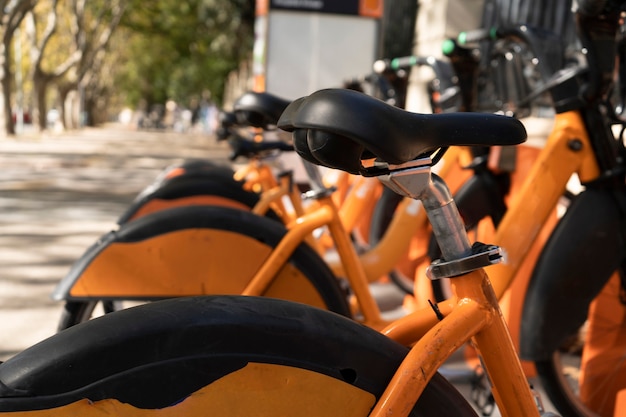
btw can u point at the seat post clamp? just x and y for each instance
(481, 256)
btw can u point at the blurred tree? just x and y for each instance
(160, 50)
(77, 55)
(92, 26)
(12, 12)
(178, 50)
(41, 23)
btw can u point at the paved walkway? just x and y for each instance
(58, 194)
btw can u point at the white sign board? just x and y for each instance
(303, 46)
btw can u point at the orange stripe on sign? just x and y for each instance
(371, 8)
(261, 7)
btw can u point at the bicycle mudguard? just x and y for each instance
(196, 250)
(483, 195)
(207, 355)
(191, 168)
(585, 248)
(198, 188)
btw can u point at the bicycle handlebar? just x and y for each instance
(545, 45)
(395, 64)
(445, 85)
(477, 35)
(442, 69)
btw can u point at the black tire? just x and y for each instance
(560, 387)
(209, 183)
(157, 355)
(197, 168)
(246, 225)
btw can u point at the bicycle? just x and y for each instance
(363, 305)
(359, 271)
(201, 182)
(559, 294)
(273, 356)
(110, 270)
(116, 284)
(396, 330)
(558, 316)
(483, 199)
(581, 143)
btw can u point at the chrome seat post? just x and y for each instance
(414, 179)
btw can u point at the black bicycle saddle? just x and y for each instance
(248, 148)
(226, 120)
(259, 109)
(339, 128)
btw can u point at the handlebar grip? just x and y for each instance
(382, 65)
(477, 35)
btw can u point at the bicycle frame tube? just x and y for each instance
(269, 197)
(325, 215)
(303, 227)
(273, 197)
(361, 195)
(567, 151)
(259, 178)
(476, 315)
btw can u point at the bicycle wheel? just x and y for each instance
(583, 376)
(219, 242)
(231, 355)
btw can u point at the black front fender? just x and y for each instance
(584, 250)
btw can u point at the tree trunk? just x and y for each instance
(40, 107)
(6, 119)
(65, 112)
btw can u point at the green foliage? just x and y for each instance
(179, 50)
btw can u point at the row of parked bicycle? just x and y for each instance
(244, 310)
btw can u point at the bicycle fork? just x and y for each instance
(473, 314)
